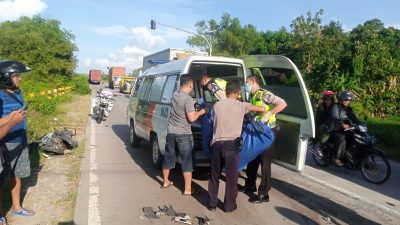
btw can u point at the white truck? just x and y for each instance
(168, 55)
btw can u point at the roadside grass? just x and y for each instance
(387, 131)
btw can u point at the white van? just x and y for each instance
(150, 103)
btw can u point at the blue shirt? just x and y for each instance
(17, 133)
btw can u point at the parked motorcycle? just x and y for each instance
(360, 154)
(102, 104)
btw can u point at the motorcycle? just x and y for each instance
(102, 104)
(360, 154)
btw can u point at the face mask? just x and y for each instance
(248, 87)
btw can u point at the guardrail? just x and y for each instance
(52, 93)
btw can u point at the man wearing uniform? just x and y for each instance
(14, 145)
(273, 105)
(216, 86)
(225, 146)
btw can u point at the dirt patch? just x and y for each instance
(52, 187)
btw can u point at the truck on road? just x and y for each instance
(95, 76)
(114, 76)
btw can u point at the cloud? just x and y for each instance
(397, 26)
(117, 30)
(13, 9)
(142, 43)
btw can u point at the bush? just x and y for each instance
(81, 85)
(387, 131)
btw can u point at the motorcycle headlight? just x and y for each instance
(363, 128)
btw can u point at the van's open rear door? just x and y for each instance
(296, 123)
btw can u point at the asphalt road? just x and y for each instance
(118, 180)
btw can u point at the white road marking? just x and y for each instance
(94, 192)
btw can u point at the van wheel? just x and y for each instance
(134, 140)
(156, 153)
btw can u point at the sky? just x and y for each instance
(117, 33)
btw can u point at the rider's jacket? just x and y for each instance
(340, 114)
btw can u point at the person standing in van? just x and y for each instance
(273, 105)
(216, 86)
(225, 145)
(179, 134)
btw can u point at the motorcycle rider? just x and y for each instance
(323, 114)
(341, 117)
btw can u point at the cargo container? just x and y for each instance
(114, 72)
(168, 55)
(95, 76)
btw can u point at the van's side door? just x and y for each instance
(296, 123)
(160, 101)
(142, 107)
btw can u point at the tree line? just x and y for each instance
(365, 60)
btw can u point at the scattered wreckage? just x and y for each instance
(176, 217)
(59, 142)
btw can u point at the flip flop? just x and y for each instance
(169, 185)
(194, 192)
(3, 220)
(23, 212)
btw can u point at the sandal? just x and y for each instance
(24, 212)
(169, 185)
(193, 192)
(3, 220)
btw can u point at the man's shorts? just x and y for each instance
(16, 160)
(185, 148)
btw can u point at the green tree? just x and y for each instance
(40, 43)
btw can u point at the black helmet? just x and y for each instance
(7, 69)
(345, 96)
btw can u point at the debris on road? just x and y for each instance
(203, 220)
(182, 219)
(177, 217)
(150, 213)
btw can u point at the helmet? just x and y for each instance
(345, 96)
(328, 95)
(7, 69)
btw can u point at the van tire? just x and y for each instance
(157, 157)
(134, 140)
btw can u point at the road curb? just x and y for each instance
(352, 195)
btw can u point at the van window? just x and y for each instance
(144, 91)
(169, 89)
(283, 83)
(157, 88)
(137, 87)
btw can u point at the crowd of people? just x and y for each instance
(225, 144)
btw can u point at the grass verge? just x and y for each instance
(387, 131)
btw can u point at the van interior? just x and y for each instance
(226, 71)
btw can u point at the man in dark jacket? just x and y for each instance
(341, 117)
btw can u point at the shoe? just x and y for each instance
(234, 208)
(337, 162)
(259, 199)
(247, 189)
(212, 208)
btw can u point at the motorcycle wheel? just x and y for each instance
(100, 115)
(375, 168)
(320, 161)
